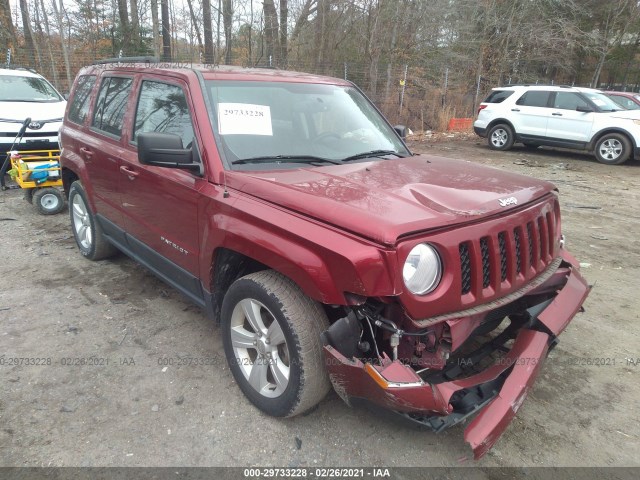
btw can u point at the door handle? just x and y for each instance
(556, 114)
(132, 174)
(515, 109)
(88, 154)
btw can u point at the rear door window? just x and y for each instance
(111, 105)
(534, 98)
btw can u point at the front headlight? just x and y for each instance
(637, 122)
(422, 269)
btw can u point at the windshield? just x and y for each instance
(14, 88)
(604, 103)
(625, 102)
(281, 125)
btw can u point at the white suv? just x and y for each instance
(25, 94)
(558, 116)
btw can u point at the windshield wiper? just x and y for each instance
(372, 153)
(285, 159)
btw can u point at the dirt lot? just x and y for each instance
(144, 405)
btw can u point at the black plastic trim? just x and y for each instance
(552, 142)
(176, 276)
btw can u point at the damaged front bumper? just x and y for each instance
(492, 396)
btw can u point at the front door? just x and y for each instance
(566, 123)
(160, 205)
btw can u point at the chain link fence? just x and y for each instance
(423, 97)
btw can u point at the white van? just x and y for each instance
(25, 94)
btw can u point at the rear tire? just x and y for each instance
(271, 334)
(612, 149)
(86, 230)
(500, 137)
(48, 200)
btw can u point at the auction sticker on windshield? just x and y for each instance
(244, 119)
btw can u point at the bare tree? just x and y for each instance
(47, 30)
(227, 19)
(29, 42)
(196, 25)
(208, 31)
(155, 27)
(7, 32)
(65, 50)
(166, 31)
(135, 27)
(125, 29)
(271, 32)
(615, 19)
(321, 31)
(284, 32)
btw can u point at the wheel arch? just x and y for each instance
(596, 138)
(68, 177)
(498, 121)
(328, 272)
(227, 266)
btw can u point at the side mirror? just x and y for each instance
(165, 150)
(584, 109)
(401, 130)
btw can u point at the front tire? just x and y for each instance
(500, 137)
(86, 230)
(613, 149)
(271, 335)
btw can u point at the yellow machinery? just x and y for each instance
(38, 173)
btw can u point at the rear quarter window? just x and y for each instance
(79, 108)
(534, 98)
(498, 96)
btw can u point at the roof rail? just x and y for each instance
(144, 59)
(538, 85)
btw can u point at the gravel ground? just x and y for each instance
(155, 390)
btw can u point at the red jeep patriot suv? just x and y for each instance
(287, 207)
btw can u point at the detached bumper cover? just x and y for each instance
(397, 387)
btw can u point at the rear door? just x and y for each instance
(568, 124)
(102, 149)
(530, 114)
(160, 205)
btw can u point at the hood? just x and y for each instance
(38, 111)
(626, 114)
(387, 199)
